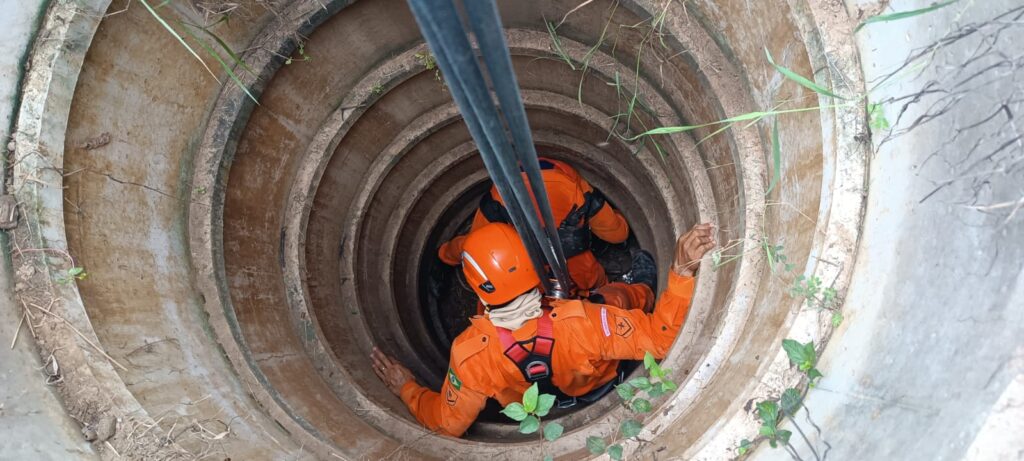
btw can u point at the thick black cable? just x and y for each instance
(486, 23)
(439, 21)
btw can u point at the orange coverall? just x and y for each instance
(565, 188)
(590, 339)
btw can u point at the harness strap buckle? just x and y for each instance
(534, 363)
(537, 370)
(567, 403)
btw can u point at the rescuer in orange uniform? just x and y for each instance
(571, 348)
(580, 210)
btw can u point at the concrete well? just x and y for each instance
(242, 259)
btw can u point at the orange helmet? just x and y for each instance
(497, 265)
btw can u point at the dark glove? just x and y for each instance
(574, 235)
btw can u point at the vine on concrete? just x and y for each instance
(772, 412)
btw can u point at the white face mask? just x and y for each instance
(513, 315)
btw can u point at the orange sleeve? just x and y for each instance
(449, 412)
(451, 251)
(628, 334)
(609, 225)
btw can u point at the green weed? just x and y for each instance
(529, 412)
(876, 117)
(902, 15)
(800, 79)
(72, 274)
(556, 46)
(773, 412)
(776, 158)
(429, 62)
(636, 394)
(301, 50)
(188, 28)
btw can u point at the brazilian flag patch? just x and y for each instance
(456, 382)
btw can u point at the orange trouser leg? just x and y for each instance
(628, 296)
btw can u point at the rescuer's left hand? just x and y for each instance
(691, 247)
(394, 374)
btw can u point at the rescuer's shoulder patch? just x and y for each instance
(454, 379)
(623, 326)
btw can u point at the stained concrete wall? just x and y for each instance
(17, 29)
(33, 424)
(930, 359)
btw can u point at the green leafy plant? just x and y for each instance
(775, 256)
(811, 290)
(72, 274)
(804, 357)
(768, 411)
(615, 452)
(377, 89)
(876, 117)
(301, 50)
(529, 412)
(805, 287)
(636, 394)
(429, 62)
(837, 318)
(825, 299)
(773, 412)
(745, 446)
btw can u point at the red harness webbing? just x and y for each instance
(543, 343)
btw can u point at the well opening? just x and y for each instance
(298, 232)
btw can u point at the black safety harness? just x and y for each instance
(573, 232)
(533, 358)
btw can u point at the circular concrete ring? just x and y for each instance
(292, 368)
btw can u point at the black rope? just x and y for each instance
(499, 128)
